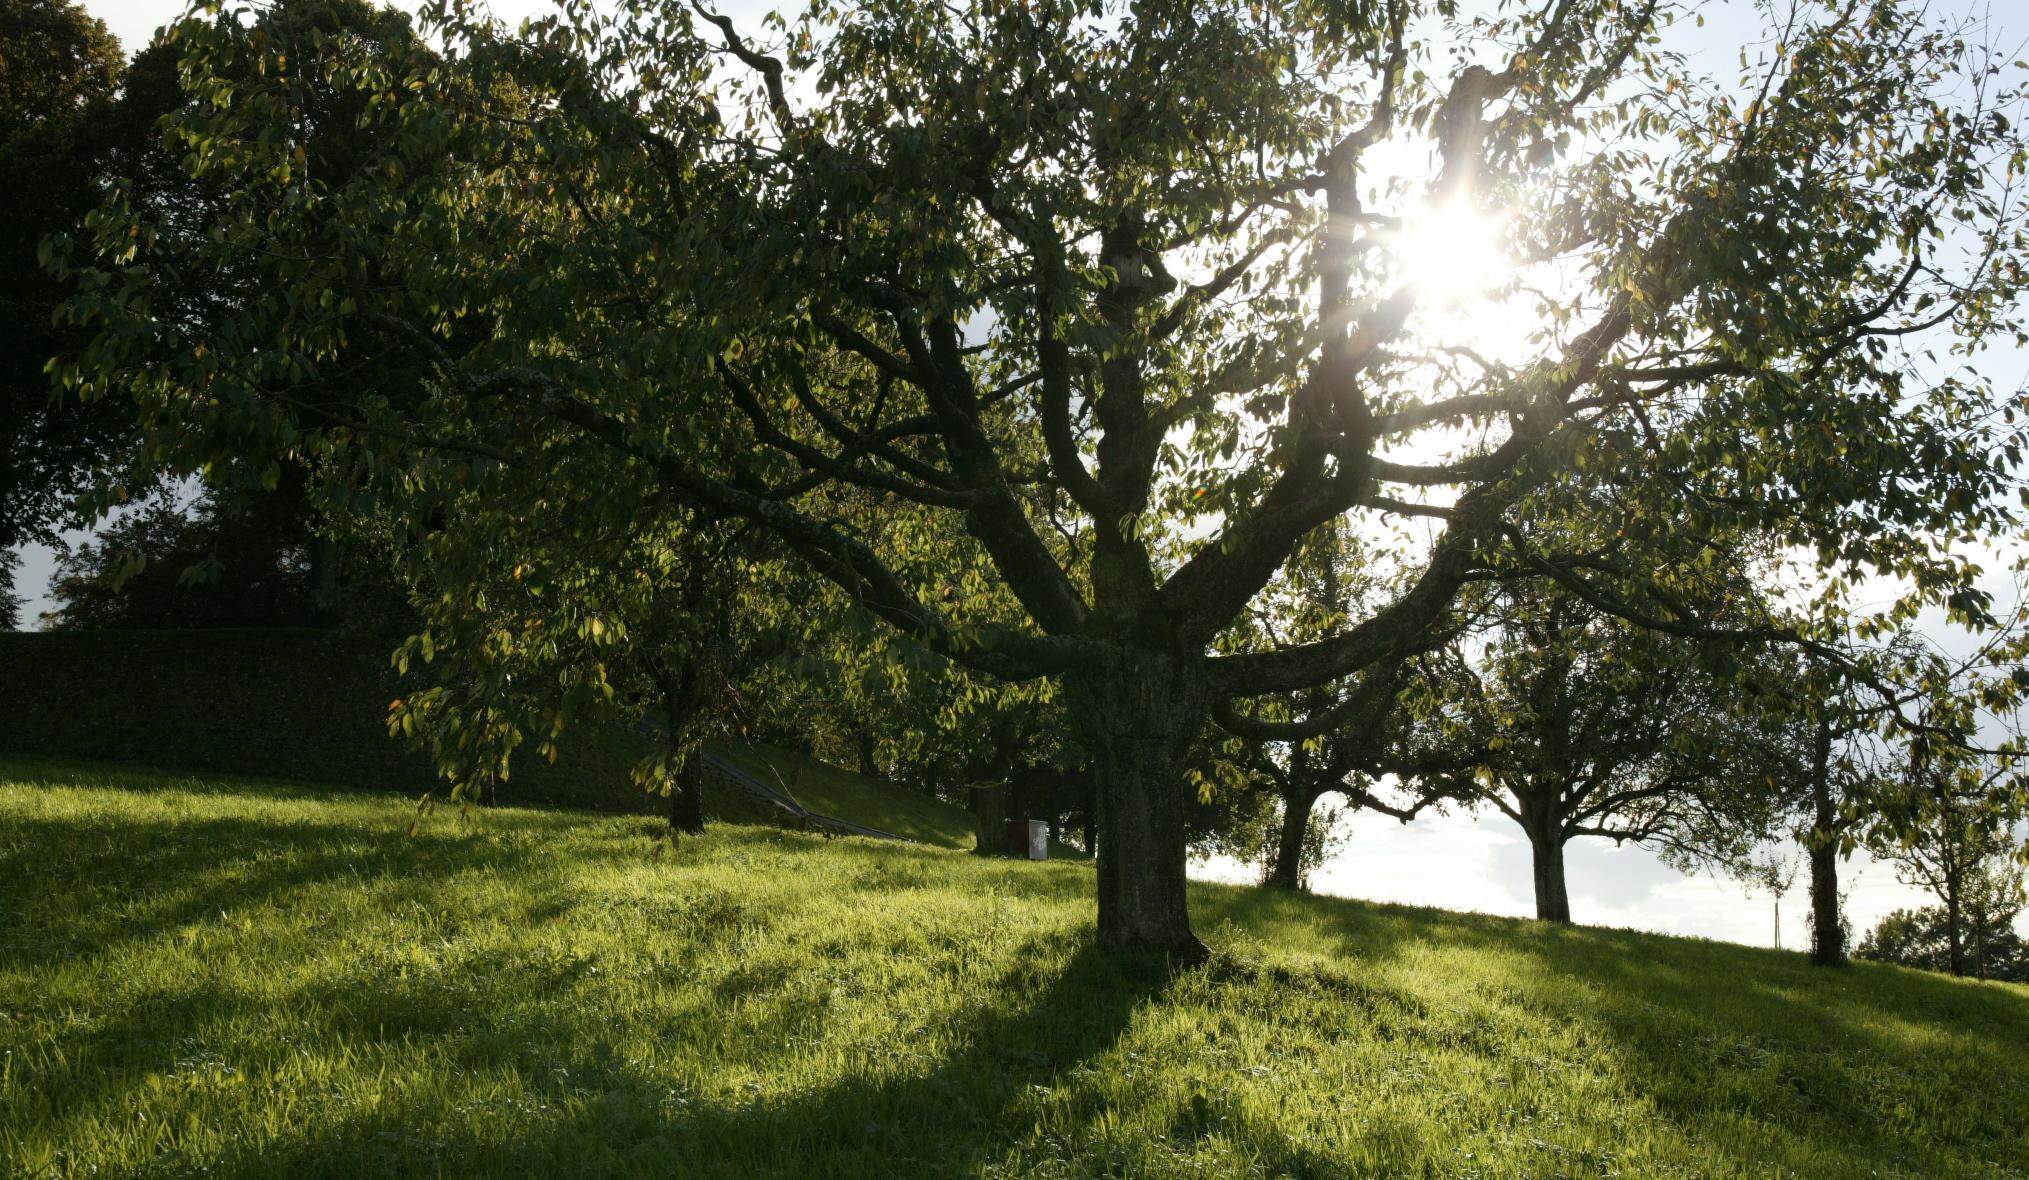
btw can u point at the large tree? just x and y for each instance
(1127, 289)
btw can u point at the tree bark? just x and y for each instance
(989, 812)
(687, 797)
(1828, 927)
(1287, 871)
(1138, 715)
(1546, 848)
(1955, 932)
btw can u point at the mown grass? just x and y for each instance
(246, 979)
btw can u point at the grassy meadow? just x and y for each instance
(238, 978)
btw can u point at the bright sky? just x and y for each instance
(1454, 861)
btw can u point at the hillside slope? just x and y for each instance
(862, 799)
(246, 979)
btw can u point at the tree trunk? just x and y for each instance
(1546, 848)
(1828, 926)
(1955, 933)
(687, 797)
(989, 812)
(1091, 834)
(1138, 716)
(324, 576)
(864, 739)
(1287, 871)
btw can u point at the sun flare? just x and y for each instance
(1456, 260)
(1453, 256)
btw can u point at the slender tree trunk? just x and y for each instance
(1546, 849)
(1955, 932)
(864, 739)
(1091, 830)
(686, 795)
(1138, 716)
(1828, 926)
(324, 576)
(1287, 871)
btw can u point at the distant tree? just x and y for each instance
(1120, 290)
(1771, 872)
(525, 642)
(1961, 848)
(1922, 938)
(1838, 778)
(1820, 727)
(1583, 724)
(160, 565)
(10, 598)
(1274, 749)
(1842, 723)
(1379, 741)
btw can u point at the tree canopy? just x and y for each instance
(59, 73)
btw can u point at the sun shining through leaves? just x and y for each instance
(1473, 312)
(1452, 253)
(1457, 260)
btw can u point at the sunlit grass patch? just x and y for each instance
(241, 979)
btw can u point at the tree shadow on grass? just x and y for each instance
(563, 1101)
(130, 883)
(586, 1110)
(1753, 1052)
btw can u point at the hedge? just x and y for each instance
(285, 703)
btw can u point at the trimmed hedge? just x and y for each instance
(284, 703)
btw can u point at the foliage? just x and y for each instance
(1922, 938)
(10, 598)
(211, 564)
(1113, 288)
(290, 983)
(60, 71)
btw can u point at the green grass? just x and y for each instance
(858, 798)
(254, 979)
